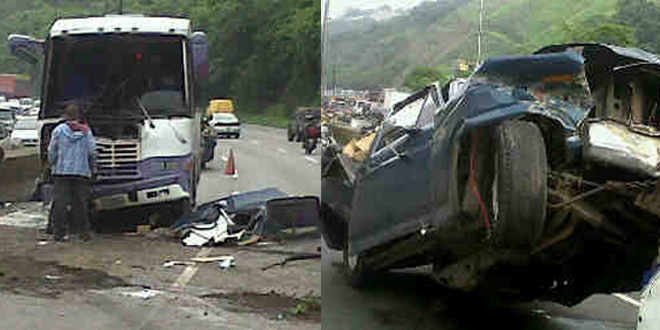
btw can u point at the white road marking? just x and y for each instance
(311, 159)
(190, 271)
(280, 150)
(627, 299)
(254, 141)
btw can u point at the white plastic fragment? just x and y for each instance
(144, 294)
(226, 263)
(169, 264)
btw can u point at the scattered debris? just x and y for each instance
(210, 259)
(253, 239)
(169, 264)
(41, 243)
(214, 233)
(301, 256)
(117, 262)
(144, 294)
(52, 277)
(227, 263)
(143, 229)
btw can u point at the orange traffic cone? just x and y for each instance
(230, 169)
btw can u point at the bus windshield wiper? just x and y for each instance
(146, 114)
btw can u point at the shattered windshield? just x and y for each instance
(108, 72)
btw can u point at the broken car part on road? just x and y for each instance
(261, 213)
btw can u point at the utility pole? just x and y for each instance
(481, 12)
(324, 52)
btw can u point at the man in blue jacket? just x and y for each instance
(72, 158)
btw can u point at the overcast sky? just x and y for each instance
(339, 7)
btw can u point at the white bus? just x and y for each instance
(134, 77)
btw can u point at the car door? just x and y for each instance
(391, 196)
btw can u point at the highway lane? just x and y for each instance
(92, 293)
(409, 299)
(264, 158)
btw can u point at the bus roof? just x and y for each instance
(120, 24)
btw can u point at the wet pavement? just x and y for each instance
(117, 280)
(409, 299)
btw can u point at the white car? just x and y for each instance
(34, 111)
(25, 132)
(26, 103)
(226, 124)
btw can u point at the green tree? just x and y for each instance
(642, 16)
(262, 52)
(601, 30)
(422, 76)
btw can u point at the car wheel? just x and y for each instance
(354, 269)
(519, 189)
(238, 136)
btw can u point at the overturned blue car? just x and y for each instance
(535, 178)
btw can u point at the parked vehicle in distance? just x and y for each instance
(7, 118)
(219, 106)
(26, 103)
(4, 133)
(34, 111)
(535, 179)
(226, 124)
(25, 132)
(13, 106)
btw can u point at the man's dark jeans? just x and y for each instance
(71, 193)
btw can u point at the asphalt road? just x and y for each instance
(264, 159)
(98, 284)
(411, 300)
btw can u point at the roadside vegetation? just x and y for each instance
(426, 43)
(264, 54)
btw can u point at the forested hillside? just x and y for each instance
(428, 40)
(264, 53)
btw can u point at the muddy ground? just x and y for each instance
(33, 265)
(118, 281)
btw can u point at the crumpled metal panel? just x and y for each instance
(614, 144)
(635, 54)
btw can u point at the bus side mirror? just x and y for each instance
(26, 48)
(200, 56)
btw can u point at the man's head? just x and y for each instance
(71, 112)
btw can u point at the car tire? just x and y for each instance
(519, 189)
